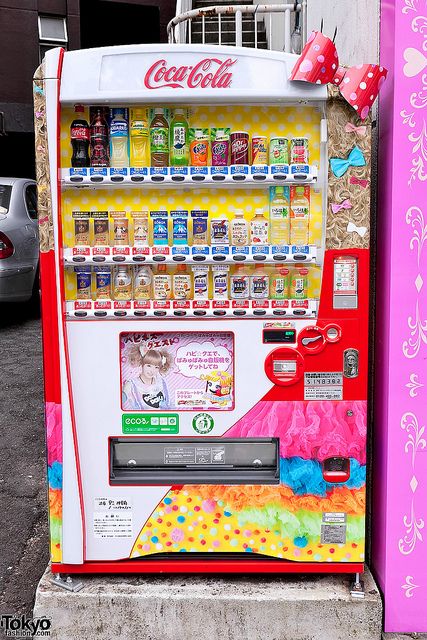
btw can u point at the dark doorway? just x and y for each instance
(17, 155)
(104, 23)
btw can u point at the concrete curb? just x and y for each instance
(211, 608)
(404, 636)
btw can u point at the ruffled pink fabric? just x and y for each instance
(310, 430)
(53, 432)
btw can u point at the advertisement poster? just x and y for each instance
(170, 371)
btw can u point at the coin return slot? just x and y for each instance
(336, 469)
(168, 461)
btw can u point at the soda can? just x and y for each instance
(239, 147)
(259, 149)
(84, 281)
(103, 284)
(299, 151)
(278, 151)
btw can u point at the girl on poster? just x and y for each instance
(148, 390)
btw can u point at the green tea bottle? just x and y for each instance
(178, 136)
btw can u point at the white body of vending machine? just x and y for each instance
(205, 348)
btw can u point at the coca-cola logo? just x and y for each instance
(210, 73)
(79, 133)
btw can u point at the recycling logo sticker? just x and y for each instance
(203, 423)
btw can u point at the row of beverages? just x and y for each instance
(287, 223)
(134, 137)
(200, 282)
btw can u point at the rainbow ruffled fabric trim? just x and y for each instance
(53, 419)
(285, 520)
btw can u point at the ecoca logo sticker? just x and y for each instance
(203, 423)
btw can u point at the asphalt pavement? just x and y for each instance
(23, 497)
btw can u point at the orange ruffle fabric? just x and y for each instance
(350, 501)
(55, 503)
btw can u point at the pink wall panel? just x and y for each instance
(400, 464)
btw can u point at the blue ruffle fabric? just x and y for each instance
(54, 474)
(305, 476)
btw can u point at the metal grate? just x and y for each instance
(242, 25)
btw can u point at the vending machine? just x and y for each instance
(204, 230)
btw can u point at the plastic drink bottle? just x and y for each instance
(298, 286)
(139, 138)
(279, 282)
(259, 283)
(279, 217)
(300, 214)
(99, 156)
(239, 229)
(80, 136)
(162, 283)
(239, 283)
(159, 139)
(259, 228)
(179, 150)
(119, 139)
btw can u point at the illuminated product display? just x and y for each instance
(205, 313)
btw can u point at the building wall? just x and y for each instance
(19, 58)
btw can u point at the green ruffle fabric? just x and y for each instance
(299, 524)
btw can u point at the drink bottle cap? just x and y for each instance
(280, 189)
(161, 268)
(282, 269)
(118, 112)
(299, 191)
(158, 110)
(79, 108)
(259, 212)
(239, 213)
(181, 267)
(259, 267)
(179, 110)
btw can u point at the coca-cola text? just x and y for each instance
(208, 73)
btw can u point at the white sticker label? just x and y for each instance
(333, 528)
(112, 518)
(112, 524)
(324, 385)
(112, 504)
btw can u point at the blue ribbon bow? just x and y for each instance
(355, 159)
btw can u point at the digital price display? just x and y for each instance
(278, 336)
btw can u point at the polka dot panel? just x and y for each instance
(208, 525)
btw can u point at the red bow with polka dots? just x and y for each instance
(318, 63)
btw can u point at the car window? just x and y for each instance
(31, 200)
(5, 191)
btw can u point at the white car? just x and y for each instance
(19, 244)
